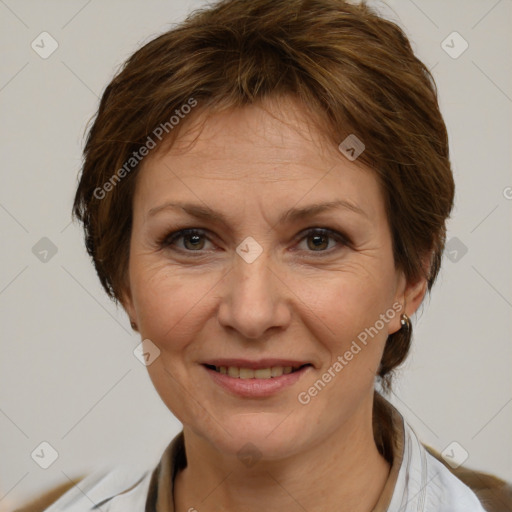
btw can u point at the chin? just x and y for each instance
(258, 436)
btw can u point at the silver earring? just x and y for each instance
(404, 320)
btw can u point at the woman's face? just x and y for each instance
(264, 281)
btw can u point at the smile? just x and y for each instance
(261, 382)
(260, 373)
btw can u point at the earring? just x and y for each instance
(404, 320)
(134, 325)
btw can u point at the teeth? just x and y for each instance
(246, 373)
(260, 373)
(233, 371)
(263, 373)
(277, 371)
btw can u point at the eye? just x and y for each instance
(317, 239)
(193, 240)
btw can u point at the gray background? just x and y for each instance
(68, 373)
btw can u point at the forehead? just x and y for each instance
(263, 152)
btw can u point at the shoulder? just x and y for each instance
(50, 496)
(446, 492)
(425, 484)
(428, 483)
(111, 489)
(494, 494)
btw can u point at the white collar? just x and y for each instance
(424, 484)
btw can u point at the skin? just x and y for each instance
(297, 299)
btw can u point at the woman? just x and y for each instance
(265, 190)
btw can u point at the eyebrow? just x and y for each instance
(293, 214)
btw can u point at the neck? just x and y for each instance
(343, 472)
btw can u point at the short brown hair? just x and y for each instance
(342, 61)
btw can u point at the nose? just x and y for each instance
(255, 299)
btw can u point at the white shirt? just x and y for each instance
(423, 485)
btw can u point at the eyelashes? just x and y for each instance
(198, 240)
(170, 240)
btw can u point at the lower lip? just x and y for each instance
(256, 388)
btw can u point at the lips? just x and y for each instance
(256, 379)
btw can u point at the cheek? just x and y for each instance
(350, 314)
(171, 311)
(349, 300)
(170, 305)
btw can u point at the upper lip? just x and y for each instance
(260, 363)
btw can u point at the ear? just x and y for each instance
(127, 303)
(410, 295)
(414, 294)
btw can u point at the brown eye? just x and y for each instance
(193, 240)
(318, 240)
(196, 241)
